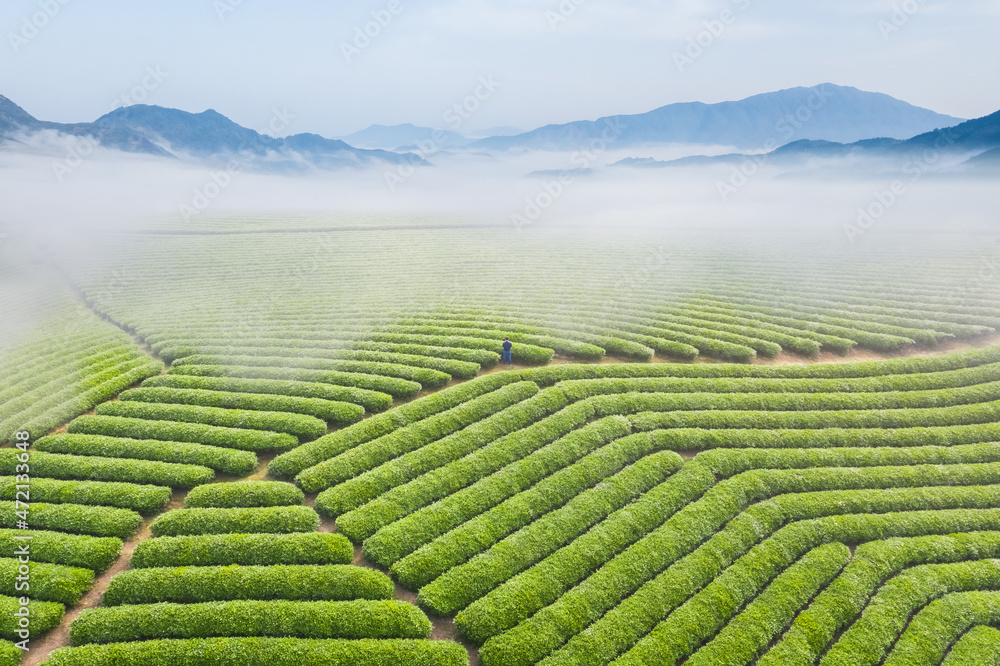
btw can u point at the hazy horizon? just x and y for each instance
(552, 62)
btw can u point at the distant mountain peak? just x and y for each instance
(207, 136)
(13, 117)
(825, 111)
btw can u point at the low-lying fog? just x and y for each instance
(53, 190)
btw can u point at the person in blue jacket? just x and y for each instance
(507, 346)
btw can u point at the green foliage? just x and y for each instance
(299, 619)
(270, 651)
(244, 549)
(764, 617)
(46, 582)
(987, 412)
(10, 654)
(873, 564)
(52, 410)
(147, 500)
(526, 353)
(373, 401)
(422, 491)
(463, 584)
(302, 426)
(647, 558)
(75, 518)
(93, 468)
(876, 369)
(396, 387)
(888, 613)
(272, 519)
(44, 616)
(291, 582)
(244, 494)
(368, 455)
(71, 550)
(227, 461)
(426, 377)
(333, 412)
(401, 539)
(230, 438)
(979, 647)
(938, 626)
(591, 459)
(325, 448)
(356, 491)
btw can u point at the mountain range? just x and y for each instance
(825, 112)
(207, 137)
(975, 143)
(794, 124)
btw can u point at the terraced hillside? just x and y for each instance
(57, 358)
(568, 529)
(578, 508)
(369, 301)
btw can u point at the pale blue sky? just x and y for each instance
(247, 57)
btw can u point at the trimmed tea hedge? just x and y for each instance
(275, 520)
(147, 500)
(244, 549)
(99, 521)
(270, 651)
(422, 491)
(356, 491)
(297, 619)
(426, 377)
(230, 438)
(397, 388)
(46, 582)
(244, 494)
(463, 584)
(979, 647)
(228, 461)
(44, 616)
(873, 563)
(368, 455)
(302, 426)
(93, 468)
(10, 654)
(309, 454)
(399, 542)
(937, 626)
(372, 401)
(333, 412)
(293, 582)
(71, 550)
